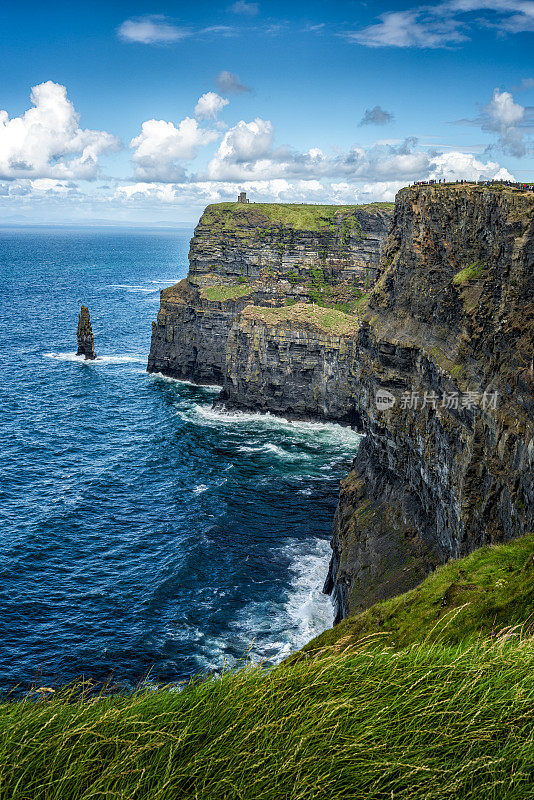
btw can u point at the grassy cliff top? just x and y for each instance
(466, 598)
(296, 216)
(472, 189)
(305, 315)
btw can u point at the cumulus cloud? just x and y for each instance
(504, 116)
(376, 116)
(444, 24)
(510, 121)
(47, 141)
(230, 83)
(209, 105)
(161, 145)
(247, 9)
(376, 175)
(248, 153)
(153, 29)
(241, 149)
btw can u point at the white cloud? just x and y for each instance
(241, 149)
(504, 117)
(464, 165)
(230, 83)
(503, 112)
(209, 105)
(161, 144)
(444, 24)
(511, 121)
(47, 141)
(153, 29)
(411, 28)
(247, 9)
(248, 153)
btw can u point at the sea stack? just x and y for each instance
(86, 340)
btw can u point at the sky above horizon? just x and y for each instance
(143, 113)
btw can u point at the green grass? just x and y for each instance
(226, 291)
(293, 215)
(324, 320)
(420, 724)
(471, 273)
(462, 600)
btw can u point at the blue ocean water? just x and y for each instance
(143, 535)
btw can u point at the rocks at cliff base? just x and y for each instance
(86, 340)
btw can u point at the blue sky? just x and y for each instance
(142, 113)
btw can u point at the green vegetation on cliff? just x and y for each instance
(325, 320)
(228, 216)
(419, 724)
(471, 273)
(226, 291)
(466, 598)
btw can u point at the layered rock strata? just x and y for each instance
(263, 255)
(434, 364)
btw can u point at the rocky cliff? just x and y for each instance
(434, 363)
(448, 459)
(271, 256)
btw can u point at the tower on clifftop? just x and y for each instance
(242, 198)
(86, 340)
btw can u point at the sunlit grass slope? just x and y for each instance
(421, 723)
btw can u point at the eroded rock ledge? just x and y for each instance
(279, 308)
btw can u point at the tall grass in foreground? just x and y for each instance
(423, 723)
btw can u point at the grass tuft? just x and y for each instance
(471, 273)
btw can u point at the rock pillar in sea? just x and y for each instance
(86, 340)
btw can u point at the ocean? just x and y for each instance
(144, 536)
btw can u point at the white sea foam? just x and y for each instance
(161, 377)
(200, 489)
(268, 632)
(207, 415)
(111, 359)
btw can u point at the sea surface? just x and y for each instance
(143, 535)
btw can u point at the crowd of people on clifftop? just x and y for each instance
(523, 187)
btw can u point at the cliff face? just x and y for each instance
(262, 255)
(299, 361)
(449, 333)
